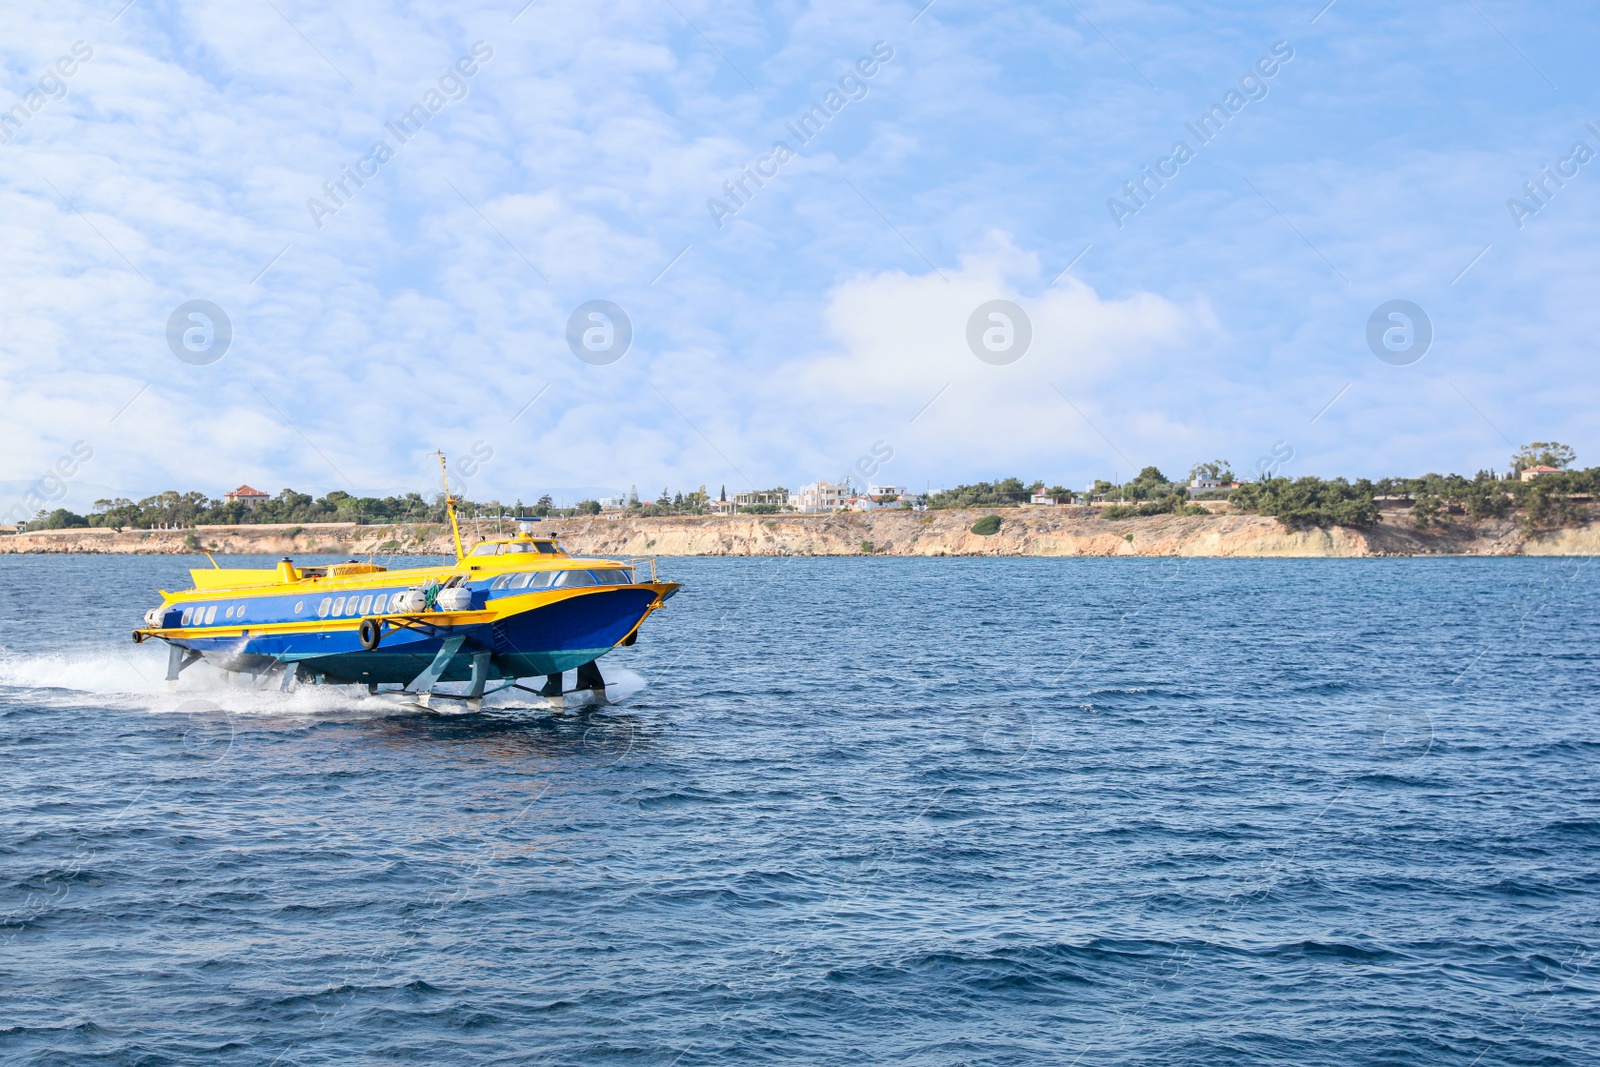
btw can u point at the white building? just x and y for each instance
(1206, 485)
(878, 497)
(820, 496)
(779, 496)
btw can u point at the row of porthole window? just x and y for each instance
(353, 605)
(536, 580)
(206, 614)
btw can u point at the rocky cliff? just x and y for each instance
(1068, 531)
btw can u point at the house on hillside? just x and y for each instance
(1198, 486)
(820, 496)
(1530, 473)
(247, 496)
(877, 497)
(778, 497)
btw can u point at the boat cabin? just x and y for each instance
(520, 544)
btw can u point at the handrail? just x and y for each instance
(636, 560)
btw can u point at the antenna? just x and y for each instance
(450, 508)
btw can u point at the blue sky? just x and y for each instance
(826, 319)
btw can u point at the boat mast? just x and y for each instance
(450, 507)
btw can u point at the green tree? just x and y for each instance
(1543, 454)
(1006, 491)
(1217, 470)
(1425, 510)
(1151, 484)
(1309, 501)
(59, 519)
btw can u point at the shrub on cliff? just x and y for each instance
(1309, 502)
(1172, 504)
(1005, 492)
(987, 526)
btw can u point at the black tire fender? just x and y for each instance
(371, 633)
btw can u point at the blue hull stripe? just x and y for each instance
(556, 637)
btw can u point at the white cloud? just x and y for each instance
(902, 341)
(811, 327)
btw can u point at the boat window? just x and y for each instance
(188, 613)
(520, 581)
(338, 606)
(573, 579)
(211, 615)
(484, 549)
(377, 605)
(228, 612)
(239, 614)
(299, 606)
(500, 582)
(352, 607)
(518, 547)
(548, 548)
(612, 576)
(324, 607)
(366, 604)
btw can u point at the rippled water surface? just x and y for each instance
(843, 812)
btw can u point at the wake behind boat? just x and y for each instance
(512, 608)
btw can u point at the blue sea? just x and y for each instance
(841, 811)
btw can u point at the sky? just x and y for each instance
(594, 245)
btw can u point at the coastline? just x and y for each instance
(1028, 531)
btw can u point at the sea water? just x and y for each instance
(842, 811)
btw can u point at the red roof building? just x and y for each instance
(246, 495)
